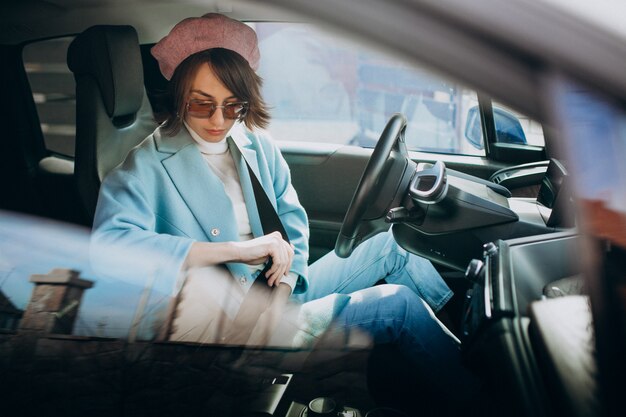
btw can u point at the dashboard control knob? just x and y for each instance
(473, 270)
(490, 249)
(321, 406)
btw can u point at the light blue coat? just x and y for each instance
(164, 197)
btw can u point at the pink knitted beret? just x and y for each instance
(196, 34)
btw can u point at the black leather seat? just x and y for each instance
(113, 113)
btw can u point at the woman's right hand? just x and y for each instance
(262, 249)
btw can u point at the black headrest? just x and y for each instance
(111, 55)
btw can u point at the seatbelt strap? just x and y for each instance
(251, 308)
(270, 222)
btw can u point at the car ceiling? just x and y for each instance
(504, 49)
(28, 20)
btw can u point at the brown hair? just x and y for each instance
(232, 70)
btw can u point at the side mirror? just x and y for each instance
(508, 127)
(473, 128)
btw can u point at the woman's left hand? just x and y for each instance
(269, 247)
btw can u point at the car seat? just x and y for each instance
(113, 113)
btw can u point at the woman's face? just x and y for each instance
(206, 87)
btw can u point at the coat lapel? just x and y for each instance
(201, 190)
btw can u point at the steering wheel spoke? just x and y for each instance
(382, 187)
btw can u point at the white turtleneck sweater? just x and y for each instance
(220, 160)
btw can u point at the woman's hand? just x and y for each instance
(262, 249)
(252, 252)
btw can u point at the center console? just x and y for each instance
(506, 328)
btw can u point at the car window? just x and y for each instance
(324, 90)
(53, 88)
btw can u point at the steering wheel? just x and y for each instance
(381, 187)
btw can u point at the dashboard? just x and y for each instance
(454, 214)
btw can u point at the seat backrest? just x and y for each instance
(113, 113)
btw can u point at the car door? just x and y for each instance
(330, 101)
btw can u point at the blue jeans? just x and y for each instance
(399, 314)
(394, 314)
(377, 258)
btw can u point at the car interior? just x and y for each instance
(501, 233)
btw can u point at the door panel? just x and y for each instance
(325, 179)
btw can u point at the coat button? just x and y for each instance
(243, 280)
(215, 232)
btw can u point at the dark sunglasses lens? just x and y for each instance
(234, 110)
(206, 109)
(201, 109)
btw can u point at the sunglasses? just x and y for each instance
(202, 109)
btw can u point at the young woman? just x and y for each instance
(185, 194)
